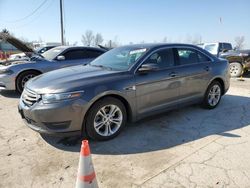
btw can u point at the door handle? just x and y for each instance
(207, 68)
(173, 74)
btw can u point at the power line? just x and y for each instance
(29, 15)
(46, 8)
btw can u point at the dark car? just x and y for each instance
(45, 48)
(239, 61)
(124, 84)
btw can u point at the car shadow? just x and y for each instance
(169, 129)
(246, 74)
(10, 94)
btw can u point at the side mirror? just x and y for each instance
(60, 58)
(148, 68)
(224, 50)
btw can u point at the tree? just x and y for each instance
(239, 42)
(5, 31)
(88, 38)
(165, 40)
(98, 39)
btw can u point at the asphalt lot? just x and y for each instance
(189, 147)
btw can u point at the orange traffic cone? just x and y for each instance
(86, 177)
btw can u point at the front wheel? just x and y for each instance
(23, 78)
(106, 119)
(213, 95)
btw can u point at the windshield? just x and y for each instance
(119, 58)
(52, 53)
(212, 48)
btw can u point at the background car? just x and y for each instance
(14, 74)
(23, 56)
(126, 83)
(239, 60)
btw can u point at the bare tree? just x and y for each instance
(5, 31)
(88, 38)
(165, 40)
(98, 39)
(239, 42)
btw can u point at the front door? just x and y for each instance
(155, 90)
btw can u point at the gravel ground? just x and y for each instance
(188, 147)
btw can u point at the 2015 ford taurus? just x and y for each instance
(125, 84)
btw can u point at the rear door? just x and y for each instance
(194, 69)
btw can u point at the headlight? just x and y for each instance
(6, 71)
(57, 97)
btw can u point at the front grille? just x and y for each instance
(29, 97)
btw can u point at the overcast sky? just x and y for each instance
(129, 20)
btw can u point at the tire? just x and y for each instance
(23, 78)
(236, 69)
(213, 95)
(107, 126)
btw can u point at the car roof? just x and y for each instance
(159, 45)
(79, 47)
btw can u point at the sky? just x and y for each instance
(129, 21)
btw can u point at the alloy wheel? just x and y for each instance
(214, 95)
(108, 120)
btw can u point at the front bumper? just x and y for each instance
(7, 82)
(63, 118)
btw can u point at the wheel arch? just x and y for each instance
(23, 71)
(221, 81)
(117, 96)
(125, 102)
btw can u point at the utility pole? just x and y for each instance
(62, 29)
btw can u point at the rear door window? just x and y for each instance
(191, 56)
(75, 54)
(94, 53)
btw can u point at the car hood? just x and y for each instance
(11, 63)
(69, 79)
(17, 43)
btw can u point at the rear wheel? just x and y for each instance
(213, 95)
(23, 78)
(106, 119)
(236, 69)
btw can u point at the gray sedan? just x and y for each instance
(14, 75)
(125, 84)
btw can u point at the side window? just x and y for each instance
(190, 56)
(94, 53)
(187, 56)
(75, 54)
(203, 58)
(163, 58)
(227, 46)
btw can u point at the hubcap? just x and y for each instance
(214, 95)
(108, 120)
(26, 79)
(234, 69)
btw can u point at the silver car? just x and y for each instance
(14, 74)
(124, 84)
